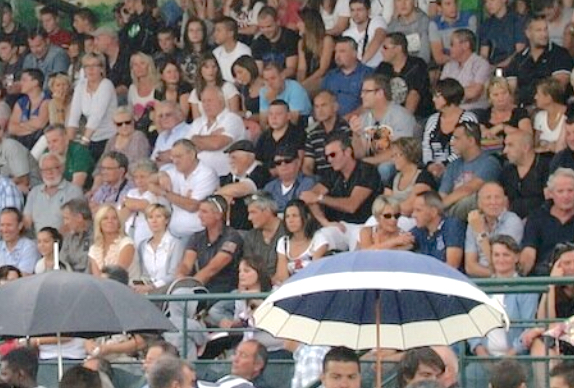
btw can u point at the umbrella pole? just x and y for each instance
(379, 366)
(60, 360)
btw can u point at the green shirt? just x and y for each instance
(78, 159)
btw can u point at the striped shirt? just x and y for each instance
(436, 144)
(10, 196)
(315, 144)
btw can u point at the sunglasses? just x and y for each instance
(388, 216)
(122, 123)
(283, 161)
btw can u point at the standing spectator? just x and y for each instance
(20, 368)
(469, 69)
(245, 13)
(168, 372)
(195, 44)
(44, 201)
(562, 375)
(45, 56)
(366, 32)
(276, 44)
(341, 363)
(51, 24)
(229, 49)
(508, 374)
(78, 235)
(94, 99)
(117, 63)
(15, 249)
(345, 81)
(10, 196)
(84, 21)
(414, 23)
(13, 30)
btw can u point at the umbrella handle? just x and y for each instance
(379, 367)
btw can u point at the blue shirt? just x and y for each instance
(450, 234)
(24, 255)
(56, 60)
(166, 139)
(502, 35)
(460, 172)
(302, 183)
(347, 87)
(10, 196)
(294, 95)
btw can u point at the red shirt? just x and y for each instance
(61, 38)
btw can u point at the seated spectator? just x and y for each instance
(46, 238)
(172, 87)
(15, 249)
(213, 254)
(346, 79)
(489, 220)
(279, 88)
(44, 201)
(160, 254)
(410, 180)
(501, 35)
(436, 234)
(169, 371)
(410, 85)
(256, 353)
(345, 196)
(84, 21)
(167, 44)
(386, 233)
(111, 246)
(195, 44)
(246, 177)
(9, 273)
(209, 75)
(549, 225)
(441, 28)
(11, 67)
(141, 93)
(18, 164)
(136, 201)
(114, 181)
(30, 114)
(155, 351)
(95, 100)
(60, 86)
(229, 49)
(558, 16)
(419, 364)
(44, 56)
(77, 235)
(80, 377)
(466, 175)
(172, 127)
(142, 28)
(565, 158)
(469, 69)
(261, 240)
(436, 144)
(562, 375)
(184, 185)
(10, 196)
(20, 367)
(275, 44)
(302, 242)
(315, 50)
(13, 30)
(504, 255)
(51, 24)
(76, 51)
(507, 374)
(215, 130)
(525, 175)
(246, 76)
(367, 32)
(539, 60)
(282, 132)
(414, 23)
(550, 120)
(118, 60)
(78, 165)
(245, 14)
(290, 181)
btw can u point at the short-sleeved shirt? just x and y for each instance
(364, 38)
(476, 70)
(78, 159)
(440, 30)
(315, 145)
(397, 117)
(10, 196)
(413, 76)
(23, 256)
(276, 52)
(460, 172)
(450, 234)
(16, 161)
(528, 72)
(282, 195)
(501, 35)
(56, 60)
(112, 194)
(266, 145)
(255, 245)
(564, 158)
(364, 175)
(542, 232)
(75, 248)
(346, 87)
(226, 59)
(294, 94)
(416, 32)
(526, 194)
(230, 242)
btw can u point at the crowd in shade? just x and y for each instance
(225, 145)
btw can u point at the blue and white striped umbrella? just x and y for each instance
(421, 301)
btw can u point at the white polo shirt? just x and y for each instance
(227, 59)
(359, 37)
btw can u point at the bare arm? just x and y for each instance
(79, 178)
(412, 101)
(527, 260)
(438, 54)
(325, 62)
(126, 257)
(290, 67)
(234, 104)
(186, 265)
(215, 265)
(375, 45)
(472, 266)
(462, 192)
(308, 167)
(454, 256)
(340, 26)
(281, 273)
(211, 142)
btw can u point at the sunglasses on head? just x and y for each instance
(283, 161)
(388, 216)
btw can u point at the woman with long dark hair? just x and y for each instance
(195, 43)
(172, 85)
(334, 13)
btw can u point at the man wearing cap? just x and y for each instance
(44, 56)
(290, 181)
(118, 60)
(215, 130)
(246, 177)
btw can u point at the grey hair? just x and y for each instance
(49, 155)
(124, 110)
(383, 201)
(187, 144)
(170, 104)
(55, 127)
(425, 384)
(218, 90)
(263, 200)
(79, 206)
(166, 370)
(143, 165)
(560, 172)
(433, 199)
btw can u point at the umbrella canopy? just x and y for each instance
(77, 305)
(420, 301)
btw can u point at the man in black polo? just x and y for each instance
(541, 59)
(549, 225)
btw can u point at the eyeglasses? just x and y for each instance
(122, 123)
(283, 161)
(388, 216)
(365, 91)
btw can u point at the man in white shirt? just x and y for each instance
(225, 33)
(368, 33)
(185, 185)
(173, 127)
(213, 132)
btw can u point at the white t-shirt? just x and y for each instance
(383, 8)
(550, 135)
(299, 262)
(227, 59)
(73, 350)
(229, 90)
(359, 37)
(341, 10)
(246, 17)
(232, 126)
(141, 229)
(497, 340)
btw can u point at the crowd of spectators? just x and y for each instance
(240, 141)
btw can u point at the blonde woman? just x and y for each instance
(145, 80)
(111, 246)
(550, 120)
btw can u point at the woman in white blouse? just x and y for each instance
(93, 106)
(550, 121)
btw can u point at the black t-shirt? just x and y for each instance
(140, 34)
(413, 76)
(10, 73)
(564, 158)
(364, 175)
(238, 216)
(526, 194)
(277, 52)
(424, 177)
(483, 116)
(19, 35)
(267, 145)
(119, 72)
